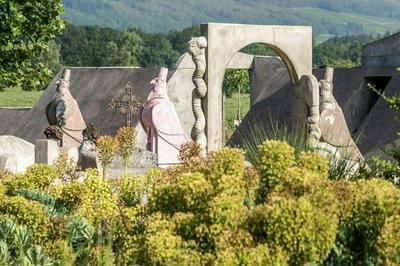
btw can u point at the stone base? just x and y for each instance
(46, 151)
(140, 161)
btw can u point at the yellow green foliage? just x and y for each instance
(26, 212)
(61, 252)
(303, 232)
(190, 192)
(37, 176)
(275, 158)
(2, 191)
(99, 203)
(163, 247)
(126, 137)
(70, 193)
(107, 148)
(66, 168)
(388, 242)
(227, 161)
(101, 255)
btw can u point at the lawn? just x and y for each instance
(231, 108)
(16, 97)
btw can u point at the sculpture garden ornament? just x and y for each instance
(127, 104)
(63, 111)
(196, 48)
(327, 130)
(159, 119)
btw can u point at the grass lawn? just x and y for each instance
(16, 97)
(231, 106)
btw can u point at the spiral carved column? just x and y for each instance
(196, 48)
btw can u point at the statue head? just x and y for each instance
(63, 84)
(159, 90)
(326, 89)
(196, 45)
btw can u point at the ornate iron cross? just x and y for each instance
(127, 104)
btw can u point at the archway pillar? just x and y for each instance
(292, 43)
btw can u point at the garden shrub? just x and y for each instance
(131, 189)
(303, 232)
(208, 211)
(37, 176)
(226, 161)
(188, 151)
(388, 243)
(66, 169)
(61, 252)
(29, 213)
(373, 202)
(189, 193)
(275, 158)
(99, 203)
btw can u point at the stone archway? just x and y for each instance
(292, 43)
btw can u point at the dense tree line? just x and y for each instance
(97, 46)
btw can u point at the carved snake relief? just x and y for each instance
(196, 48)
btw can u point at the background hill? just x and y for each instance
(328, 17)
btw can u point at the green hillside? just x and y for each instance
(328, 17)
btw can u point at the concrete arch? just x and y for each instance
(292, 43)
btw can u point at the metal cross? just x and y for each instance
(127, 104)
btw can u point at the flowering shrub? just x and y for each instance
(126, 137)
(207, 211)
(107, 148)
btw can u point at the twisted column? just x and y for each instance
(196, 48)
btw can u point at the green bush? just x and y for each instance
(190, 192)
(29, 213)
(275, 158)
(304, 233)
(207, 211)
(388, 244)
(37, 176)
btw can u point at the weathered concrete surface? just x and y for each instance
(93, 88)
(267, 76)
(382, 124)
(384, 53)
(139, 163)
(46, 151)
(369, 118)
(292, 44)
(10, 118)
(23, 151)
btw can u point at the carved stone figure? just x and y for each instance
(63, 111)
(196, 48)
(159, 119)
(334, 129)
(327, 131)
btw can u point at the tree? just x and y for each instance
(26, 28)
(236, 81)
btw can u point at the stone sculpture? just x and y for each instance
(196, 48)
(160, 120)
(16, 154)
(327, 130)
(63, 111)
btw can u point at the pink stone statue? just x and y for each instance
(159, 119)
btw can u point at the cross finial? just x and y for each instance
(127, 104)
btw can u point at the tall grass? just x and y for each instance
(339, 168)
(277, 131)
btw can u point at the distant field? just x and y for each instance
(369, 23)
(16, 97)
